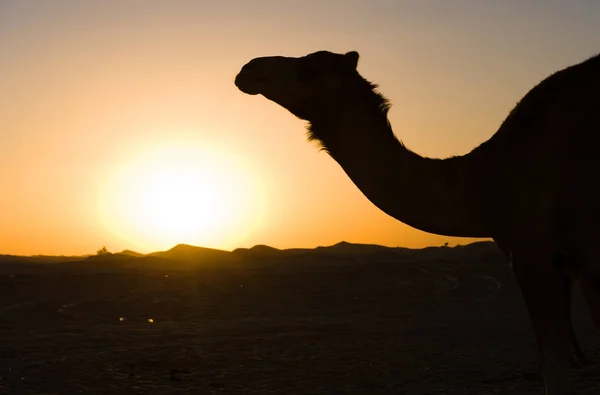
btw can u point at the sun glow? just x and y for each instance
(181, 193)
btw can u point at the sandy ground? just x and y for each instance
(326, 328)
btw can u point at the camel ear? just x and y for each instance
(351, 59)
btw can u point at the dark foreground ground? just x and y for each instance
(343, 327)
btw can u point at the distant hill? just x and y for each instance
(354, 249)
(188, 253)
(259, 251)
(131, 253)
(183, 257)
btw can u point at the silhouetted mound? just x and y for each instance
(264, 249)
(344, 247)
(191, 254)
(258, 252)
(131, 253)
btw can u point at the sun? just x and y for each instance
(181, 193)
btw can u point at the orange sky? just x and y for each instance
(112, 112)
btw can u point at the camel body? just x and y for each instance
(530, 187)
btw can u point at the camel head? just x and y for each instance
(307, 86)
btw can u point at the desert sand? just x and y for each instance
(345, 319)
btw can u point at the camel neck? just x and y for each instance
(433, 195)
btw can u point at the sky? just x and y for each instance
(120, 125)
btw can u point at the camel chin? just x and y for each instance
(248, 87)
(250, 91)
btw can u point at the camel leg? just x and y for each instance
(546, 292)
(579, 358)
(590, 288)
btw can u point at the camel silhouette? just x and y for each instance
(529, 187)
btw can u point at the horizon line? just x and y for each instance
(247, 248)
